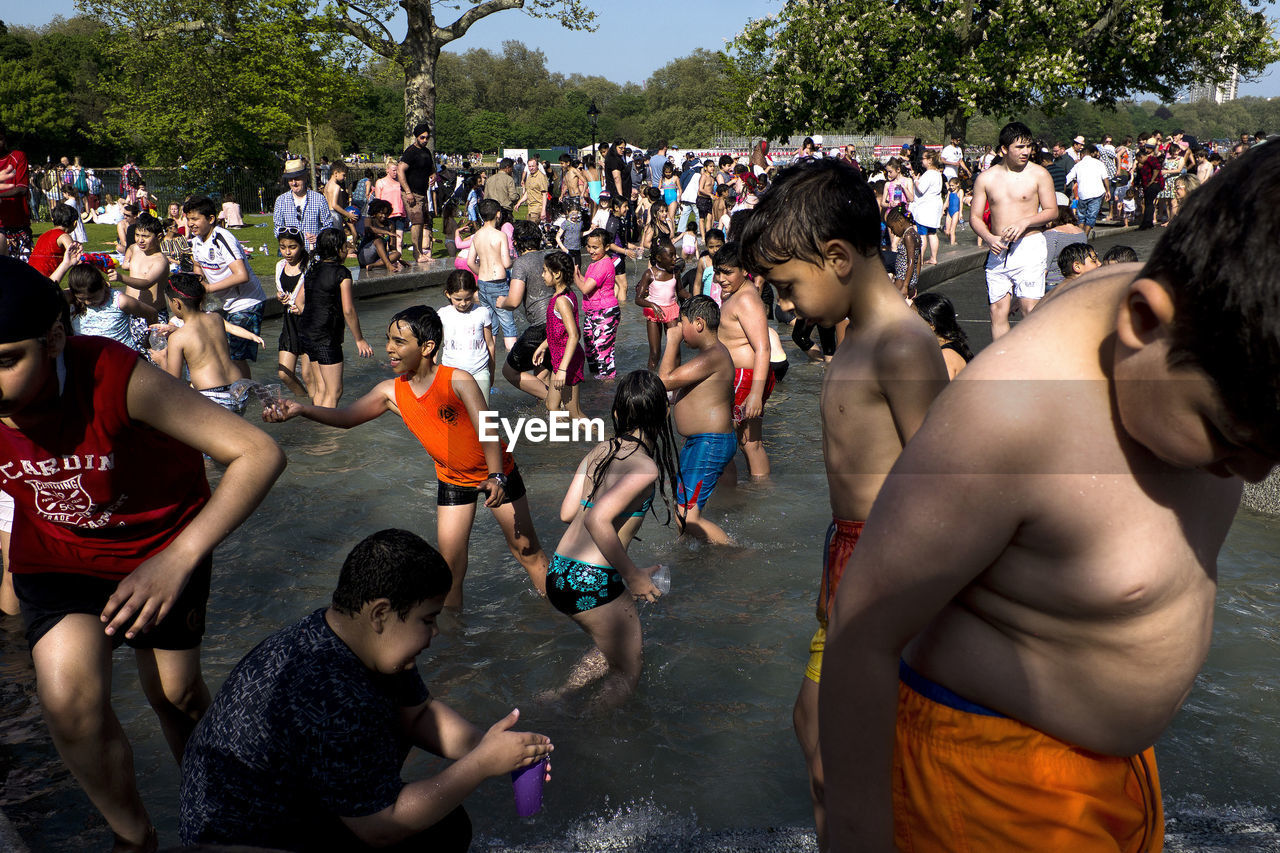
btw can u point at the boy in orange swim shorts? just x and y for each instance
(1014, 656)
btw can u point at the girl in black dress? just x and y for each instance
(325, 304)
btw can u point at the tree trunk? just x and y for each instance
(956, 123)
(421, 52)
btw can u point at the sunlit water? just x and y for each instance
(706, 745)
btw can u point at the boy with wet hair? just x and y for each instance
(744, 330)
(303, 746)
(1021, 197)
(703, 410)
(1015, 657)
(1120, 255)
(108, 545)
(1077, 259)
(816, 237)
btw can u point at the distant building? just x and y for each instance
(1219, 93)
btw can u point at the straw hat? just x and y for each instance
(294, 168)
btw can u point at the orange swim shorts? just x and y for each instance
(842, 535)
(969, 780)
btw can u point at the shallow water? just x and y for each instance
(706, 744)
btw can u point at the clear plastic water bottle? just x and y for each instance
(241, 388)
(264, 249)
(157, 340)
(662, 579)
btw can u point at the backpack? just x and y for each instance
(361, 193)
(81, 182)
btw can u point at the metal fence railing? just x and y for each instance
(254, 190)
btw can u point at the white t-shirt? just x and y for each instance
(951, 153)
(689, 194)
(1090, 175)
(464, 346)
(215, 254)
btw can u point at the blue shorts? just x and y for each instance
(250, 321)
(925, 230)
(702, 460)
(575, 587)
(490, 293)
(1088, 210)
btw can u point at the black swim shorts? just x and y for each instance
(47, 597)
(521, 355)
(450, 494)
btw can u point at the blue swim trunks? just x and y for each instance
(575, 587)
(702, 460)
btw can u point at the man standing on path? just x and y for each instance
(1092, 186)
(535, 189)
(1022, 202)
(656, 162)
(952, 158)
(15, 215)
(501, 186)
(414, 171)
(300, 209)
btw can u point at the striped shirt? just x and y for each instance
(314, 217)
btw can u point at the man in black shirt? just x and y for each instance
(415, 171)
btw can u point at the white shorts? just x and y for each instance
(1020, 270)
(6, 513)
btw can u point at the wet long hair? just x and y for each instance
(82, 280)
(939, 312)
(640, 404)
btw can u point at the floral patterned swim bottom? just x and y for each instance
(575, 587)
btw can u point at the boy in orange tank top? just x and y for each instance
(441, 407)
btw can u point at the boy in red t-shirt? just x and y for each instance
(104, 536)
(57, 251)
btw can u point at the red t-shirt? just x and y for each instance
(14, 212)
(100, 493)
(46, 254)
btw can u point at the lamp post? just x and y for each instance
(593, 113)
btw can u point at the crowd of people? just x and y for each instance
(303, 744)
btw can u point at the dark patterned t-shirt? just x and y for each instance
(301, 731)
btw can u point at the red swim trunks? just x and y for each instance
(969, 780)
(842, 536)
(742, 377)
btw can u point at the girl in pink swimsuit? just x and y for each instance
(656, 294)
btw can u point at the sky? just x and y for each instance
(687, 25)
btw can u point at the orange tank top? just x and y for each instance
(440, 421)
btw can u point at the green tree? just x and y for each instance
(418, 52)
(31, 103)
(861, 62)
(219, 84)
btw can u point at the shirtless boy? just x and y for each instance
(1022, 202)
(148, 271)
(493, 259)
(744, 330)
(703, 410)
(201, 344)
(878, 386)
(1047, 615)
(101, 454)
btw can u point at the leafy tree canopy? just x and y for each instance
(860, 62)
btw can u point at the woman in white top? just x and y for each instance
(927, 208)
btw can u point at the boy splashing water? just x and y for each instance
(1019, 625)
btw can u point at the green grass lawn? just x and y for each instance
(257, 231)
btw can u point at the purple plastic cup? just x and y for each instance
(527, 783)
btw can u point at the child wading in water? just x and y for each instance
(441, 407)
(591, 579)
(563, 337)
(600, 310)
(656, 293)
(906, 269)
(201, 342)
(100, 310)
(289, 271)
(468, 330)
(325, 303)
